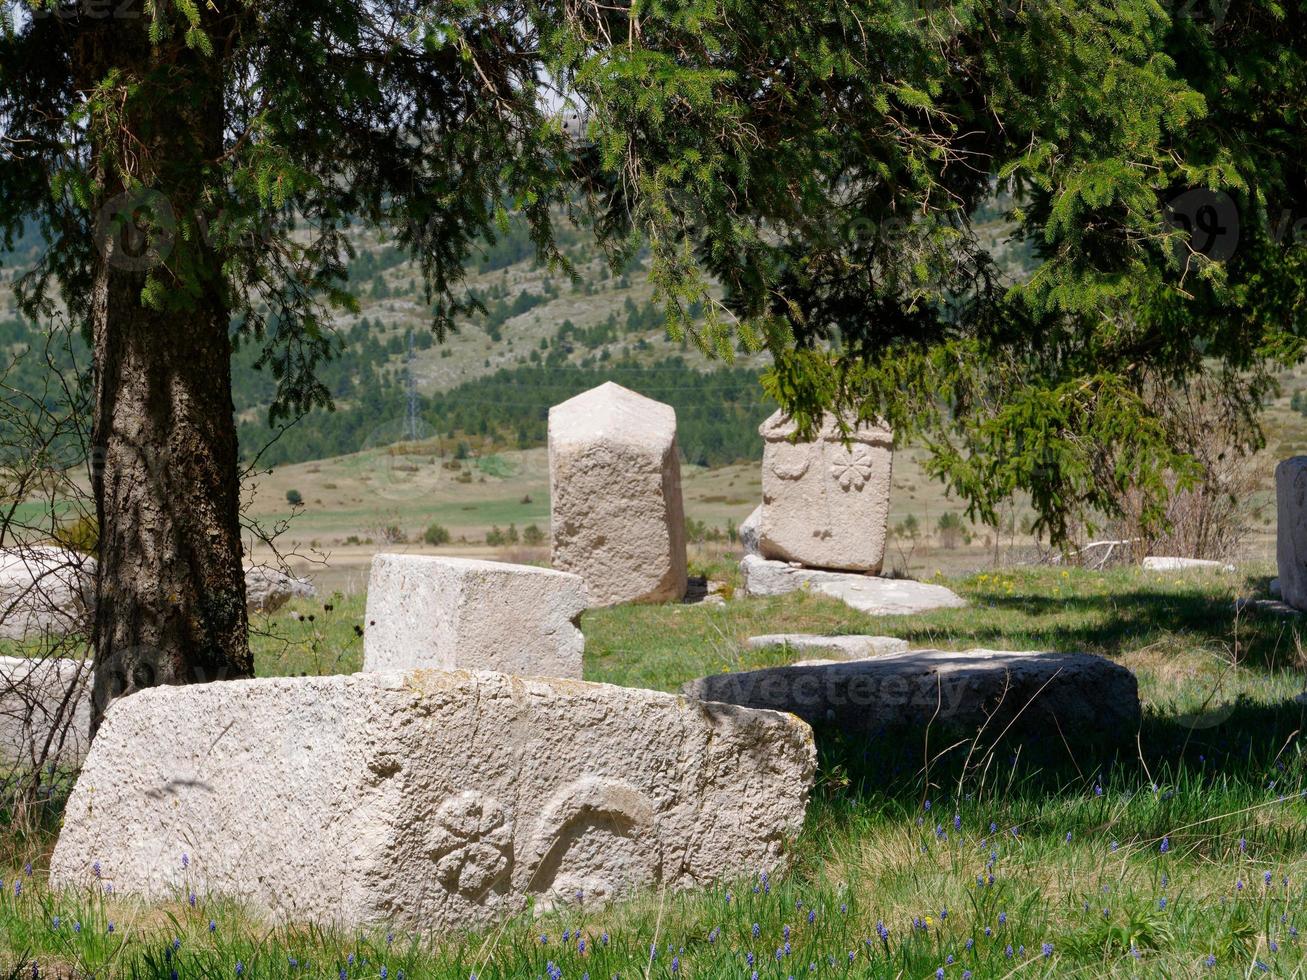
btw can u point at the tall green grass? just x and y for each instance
(1179, 850)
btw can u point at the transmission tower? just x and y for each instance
(411, 389)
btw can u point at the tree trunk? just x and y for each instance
(170, 591)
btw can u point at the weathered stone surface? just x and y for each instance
(867, 593)
(462, 614)
(1291, 529)
(44, 589)
(45, 711)
(267, 589)
(749, 530)
(429, 799)
(1167, 563)
(825, 504)
(1078, 692)
(835, 647)
(1273, 587)
(617, 519)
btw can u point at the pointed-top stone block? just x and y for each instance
(615, 496)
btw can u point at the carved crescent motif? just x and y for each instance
(790, 462)
(590, 806)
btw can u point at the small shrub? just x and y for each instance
(81, 535)
(294, 498)
(436, 534)
(533, 536)
(951, 530)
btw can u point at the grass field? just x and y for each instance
(1177, 851)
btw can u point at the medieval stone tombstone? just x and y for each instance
(464, 614)
(429, 800)
(616, 518)
(825, 504)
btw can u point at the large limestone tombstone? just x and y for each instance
(429, 799)
(615, 496)
(1291, 530)
(825, 504)
(463, 614)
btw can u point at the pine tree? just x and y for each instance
(801, 174)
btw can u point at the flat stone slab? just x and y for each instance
(429, 799)
(866, 593)
(835, 647)
(1165, 563)
(464, 614)
(45, 711)
(978, 688)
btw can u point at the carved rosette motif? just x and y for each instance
(473, 844)
(852, 468)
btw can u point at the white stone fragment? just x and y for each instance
(825, 504)
(45, 590)
(1168, 563)
(867, 593)
(267, 589)
(428, 800)
(464, 614)
(617, 518)
(45, 711)
(835, 647)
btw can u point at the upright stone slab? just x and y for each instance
(462, 614)
(45, 711)
(429, 800)
(615, 495)
(749, 529)
(825, 504)
(1291, 530)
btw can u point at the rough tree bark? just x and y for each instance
(170, 591)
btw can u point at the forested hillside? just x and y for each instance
(541, 338)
